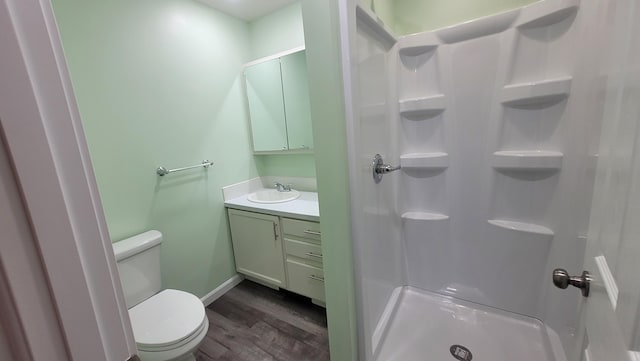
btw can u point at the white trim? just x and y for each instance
(609, 281)
(308, 151)
(45, 140)
(348, 29)
(385, 320)
(225, 287)
(587, 354)
(29, 320)
(274, 56)
(375, 26)
(241, 188)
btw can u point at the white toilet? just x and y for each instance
(168, 325)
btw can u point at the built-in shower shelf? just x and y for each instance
(416, 50)
(546, 13)
(370, 22)
(424, 216)
(408, 47)
(522, 227)
(529, 160)
(487, 25)
(435, 160)
(421, 108)
(536, 94)
(417, 44)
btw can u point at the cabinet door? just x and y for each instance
(266, 106)
(295, 87)
(257, 246)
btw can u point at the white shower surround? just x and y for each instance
(491, 122)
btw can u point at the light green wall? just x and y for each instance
(158, 83)
(385, 9)
(329, 135)
(278, 31)
(412, 16)
(273, 33)
(288, 165)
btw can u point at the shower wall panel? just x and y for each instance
(492, 115)
(380, 264)
(492, 123)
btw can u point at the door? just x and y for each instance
(60, 292)
(609, 315)
(257, 246)
(610, 312)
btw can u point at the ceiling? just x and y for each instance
(247, 10)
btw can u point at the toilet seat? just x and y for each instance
(167, 320)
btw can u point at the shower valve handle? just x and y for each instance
(380, 169)
(386, 168)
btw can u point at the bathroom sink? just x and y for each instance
(273, 196)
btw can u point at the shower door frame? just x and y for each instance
(349, 22)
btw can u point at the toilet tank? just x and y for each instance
(138, 260)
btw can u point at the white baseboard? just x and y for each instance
(261, 282)
(221, 290)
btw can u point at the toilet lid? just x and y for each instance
(166, 318)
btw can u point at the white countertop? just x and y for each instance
(305, 207)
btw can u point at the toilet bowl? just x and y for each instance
(168, 325)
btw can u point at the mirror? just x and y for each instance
(278, 96)
(266, 106)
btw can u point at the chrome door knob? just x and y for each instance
(561, 279)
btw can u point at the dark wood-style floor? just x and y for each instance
(255, 323)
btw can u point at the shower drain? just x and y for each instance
(461, 353)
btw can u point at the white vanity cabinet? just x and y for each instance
(280, 251)
(303, 254)
(257, 246)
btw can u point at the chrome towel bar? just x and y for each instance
(162, 171)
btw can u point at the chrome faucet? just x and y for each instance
(282, 188)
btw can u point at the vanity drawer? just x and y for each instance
(306, 280)
(305, 229)
(304, 250)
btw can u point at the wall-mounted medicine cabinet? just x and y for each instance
(278, 96)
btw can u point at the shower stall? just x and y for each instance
(488, 134)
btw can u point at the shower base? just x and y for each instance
(427, 326)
